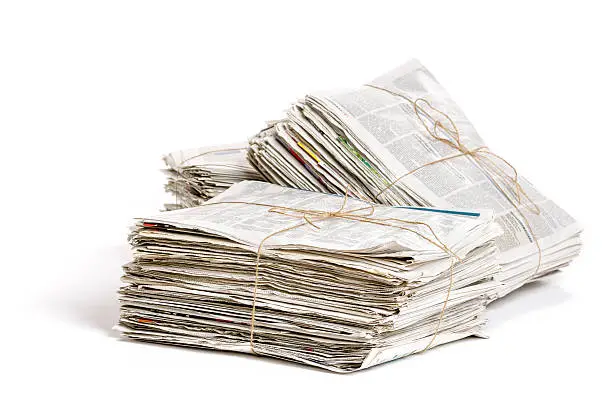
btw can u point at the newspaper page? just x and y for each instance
(251, 223)
(387, 126)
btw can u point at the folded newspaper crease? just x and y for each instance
(393, 150)
(332, 287)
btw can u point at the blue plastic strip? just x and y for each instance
(465, 213)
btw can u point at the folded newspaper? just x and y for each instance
(196, 175)
(313, 278)
(401, 140)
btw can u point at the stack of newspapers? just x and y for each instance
(315, 278)
(401, 140)
(196, 175)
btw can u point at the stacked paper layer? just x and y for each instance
(341, 284)
(401, 140)
(196, 175)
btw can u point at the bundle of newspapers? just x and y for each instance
(401, 140)
(196, 175)
(314, 278)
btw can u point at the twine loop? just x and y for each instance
(502, 174)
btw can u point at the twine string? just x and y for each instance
(502, 174)
(207, 152)
(363, 214)
(179, 172)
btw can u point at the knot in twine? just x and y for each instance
(503, 174)
(361, 214)
(500, 172)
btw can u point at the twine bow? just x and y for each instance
(500, 172)
(361, 214)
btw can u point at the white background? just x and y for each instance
(93, 93)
